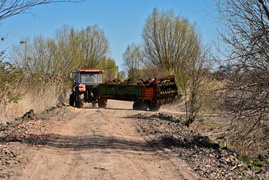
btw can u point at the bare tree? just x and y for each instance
(247, 37)
(134, 61)
(10, 8)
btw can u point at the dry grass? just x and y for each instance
(251, 142)
(38, 99)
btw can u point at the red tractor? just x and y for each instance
(86, 88)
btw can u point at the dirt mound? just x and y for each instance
(30, 129)
(203, 155)
(30, 115)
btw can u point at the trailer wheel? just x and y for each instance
(139, 105)
(102, 104)
(72, 99)
(154, 107)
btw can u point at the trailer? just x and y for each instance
(151, 95)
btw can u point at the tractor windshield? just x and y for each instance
(89, 78)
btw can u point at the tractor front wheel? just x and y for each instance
(78, 100)
(72, 99)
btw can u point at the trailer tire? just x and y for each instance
(72, 99)
(139, 105)
(154, 107)
(102, 104)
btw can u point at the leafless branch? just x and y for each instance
(9, 8)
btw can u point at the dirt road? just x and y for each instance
(97, 143)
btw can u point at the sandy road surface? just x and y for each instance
(101, 144)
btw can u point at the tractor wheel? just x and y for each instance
(102, 104)
(78, 104)
(72, 99)
(78, 101)
(154, 107)
(139, 105)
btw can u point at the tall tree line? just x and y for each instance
(68, 50)
(11, 77)
(44, 61)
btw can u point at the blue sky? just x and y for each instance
(121, 20)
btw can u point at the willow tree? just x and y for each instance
(10, 75)
(69, 50)
(94, 45)
(172, 45)
(84, 48)
(45, 57)
(170, 41)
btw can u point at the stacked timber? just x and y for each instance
(168, 87)
(129, 82)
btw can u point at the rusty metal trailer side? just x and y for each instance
(143, 96)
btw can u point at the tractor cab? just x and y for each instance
(89, 77)
(86, 87)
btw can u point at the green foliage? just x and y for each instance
(226, 144)
(121, 75)
(25, 119)
(256, 165)
(49, 61)
(93, 46)
(110, 68)
(70, 49)
(170, 41)
(182, 121)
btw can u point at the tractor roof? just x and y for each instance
(89, 70)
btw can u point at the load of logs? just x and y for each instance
(167, 85)
(129, 82)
